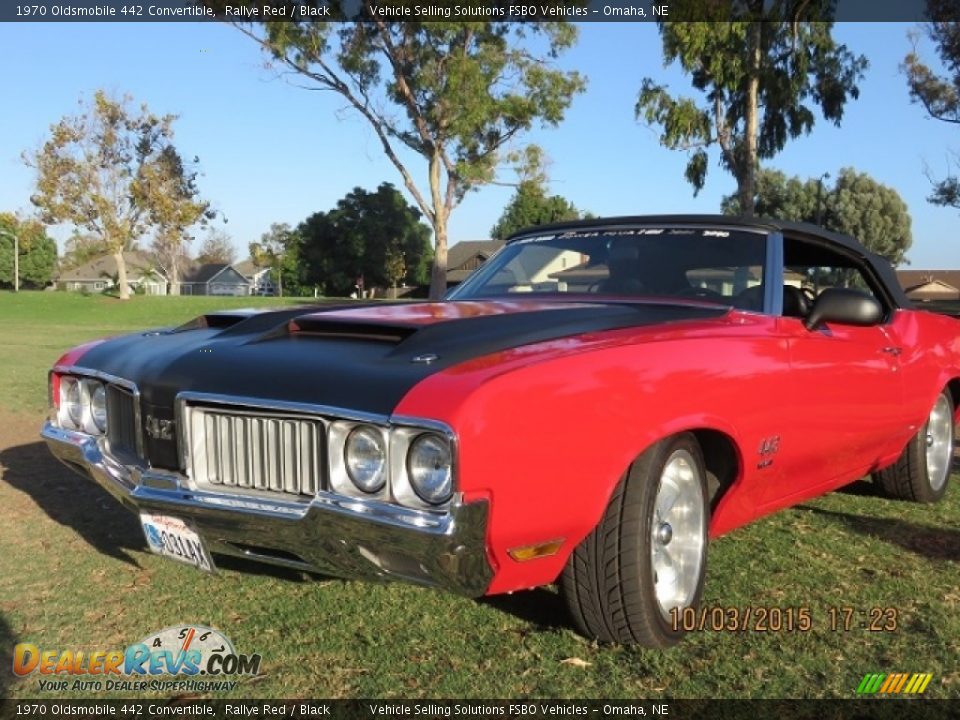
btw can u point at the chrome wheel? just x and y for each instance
(678, 533)
(939, 443)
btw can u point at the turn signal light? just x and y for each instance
(532, 552)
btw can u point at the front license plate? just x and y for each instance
(173, 538)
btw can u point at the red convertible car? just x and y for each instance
(588, 408)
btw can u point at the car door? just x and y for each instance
(845, 389)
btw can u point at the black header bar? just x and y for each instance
(444, 10)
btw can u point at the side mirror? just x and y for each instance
(844, 306)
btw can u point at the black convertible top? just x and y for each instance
(879, 264)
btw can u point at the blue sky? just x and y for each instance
(272, 152)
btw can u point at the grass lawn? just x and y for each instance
(75, 573)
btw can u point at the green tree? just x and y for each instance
(37, 252)
(761, 68)
(105, 171)
(217, 247)
(856, 205)
(81, 248)
(174, 206)
(939, 94)
(279, 250)
(530, 206)
(395, 266)
(456, 94)
(361, 238)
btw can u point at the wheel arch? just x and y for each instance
(953, 387)
(722, 459)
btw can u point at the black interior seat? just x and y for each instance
(795, 303)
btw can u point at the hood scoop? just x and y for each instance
(217, 320)
(341, 328)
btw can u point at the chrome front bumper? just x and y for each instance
(329, 534)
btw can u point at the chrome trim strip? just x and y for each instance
(281, 405)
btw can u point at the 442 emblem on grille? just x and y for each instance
(159, 429)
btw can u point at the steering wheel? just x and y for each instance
(703, 294)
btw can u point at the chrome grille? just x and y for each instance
(239, 451)
(121, 421)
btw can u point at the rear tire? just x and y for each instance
(647, 556)
(922, 472)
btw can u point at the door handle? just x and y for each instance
(891, 350)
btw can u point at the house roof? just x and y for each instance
(933, 290)
(105, 266)
(204, 273)
(248, 268)
(911, 279)
(466, 250)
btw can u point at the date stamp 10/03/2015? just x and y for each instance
(784, 619)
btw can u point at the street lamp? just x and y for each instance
(16, 258)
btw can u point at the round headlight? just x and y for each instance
(429, 465)
(97, 395)
(365, 457)
(70, 409)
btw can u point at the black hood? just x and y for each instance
(363, 359)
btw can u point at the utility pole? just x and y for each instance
(16, 258)
(820, 180)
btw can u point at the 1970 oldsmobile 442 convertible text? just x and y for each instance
(588, 407)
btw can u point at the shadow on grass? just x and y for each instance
(252, 567)
(7, 641)
(862, 488)
(73, 501)
(865, 487)
(541, 607)
(929, 542)
(91, 512)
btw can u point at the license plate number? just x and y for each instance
(174, 539)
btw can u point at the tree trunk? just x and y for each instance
(748, 173)
(122, 275)
(438, 275)
(174, 279)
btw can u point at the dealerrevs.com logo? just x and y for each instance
(200, 659)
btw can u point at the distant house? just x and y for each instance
(466, 256)
(214, 279)
(99, 274)
(930, 284)
(259, 277)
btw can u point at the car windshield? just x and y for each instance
(719, 264)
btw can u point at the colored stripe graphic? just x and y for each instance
(894, 683)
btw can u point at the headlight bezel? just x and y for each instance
(444, 447)
(89, 388)
(373, 436)
(70, 410)
(79, 401)
(404, 433)
(399, 433)
(339, 478)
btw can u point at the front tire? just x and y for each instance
(922, 472)
(647, 556)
